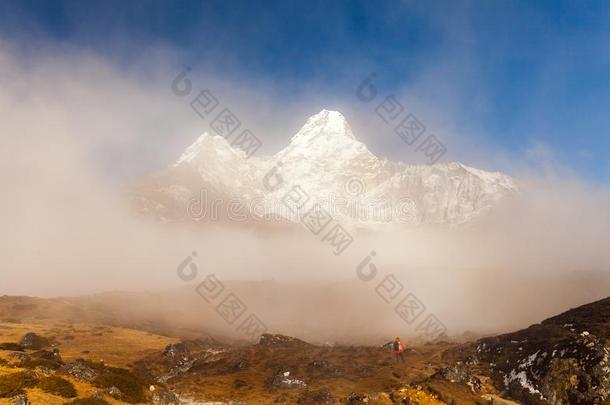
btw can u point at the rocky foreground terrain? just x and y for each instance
(562, 360)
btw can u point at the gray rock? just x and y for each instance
(459, 373)
(187, 347)
(115, 392)
(550, 364)
(33, 341)
(285, 380)
(80, 370)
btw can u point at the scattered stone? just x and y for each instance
(459, 374)
(286, 381)
(184, 366)
(357, 399)
(80, 370)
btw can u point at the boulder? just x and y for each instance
(271, 340)
(114, 392)
(33, 341)
(285, 380)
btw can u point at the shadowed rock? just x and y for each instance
(34, 342)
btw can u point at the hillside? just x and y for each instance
(562, 360)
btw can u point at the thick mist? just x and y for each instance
(76, 129)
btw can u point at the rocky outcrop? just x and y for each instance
(80, 370)
(270, 340)
(554, 363)
(185, 348)
(33, 341)
(285, 380)
(459, 373)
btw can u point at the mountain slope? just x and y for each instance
(357, 188)
(563, 360)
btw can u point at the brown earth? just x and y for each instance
(281, 369)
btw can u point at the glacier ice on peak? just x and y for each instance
(322, 157)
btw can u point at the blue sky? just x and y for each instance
(517, 74)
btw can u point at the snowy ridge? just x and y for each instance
(339, 172)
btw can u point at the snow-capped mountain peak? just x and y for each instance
(207, 144)
(324, 124)
(326, 136)
(337, 171)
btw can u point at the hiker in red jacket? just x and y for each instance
(399, 349)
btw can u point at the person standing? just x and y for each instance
(399, 349)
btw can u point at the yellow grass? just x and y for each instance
(418, 397)
(118, 347)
